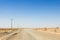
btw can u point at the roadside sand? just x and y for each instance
(35, 34)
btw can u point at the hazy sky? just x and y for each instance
(30, 13)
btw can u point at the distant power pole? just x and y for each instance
(11, 24)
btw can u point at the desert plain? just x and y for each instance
(30, 34)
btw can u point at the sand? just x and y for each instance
(32, 34)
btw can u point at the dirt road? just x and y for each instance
(29, 34)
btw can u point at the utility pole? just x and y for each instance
(11, 24)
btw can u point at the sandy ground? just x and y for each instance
(33, 34)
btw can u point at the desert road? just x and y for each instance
(30, 34)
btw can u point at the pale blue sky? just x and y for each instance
(30, 13)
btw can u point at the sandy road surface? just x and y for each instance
(22, 35)
(29, 34)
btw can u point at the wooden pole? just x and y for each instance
(11, 24)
